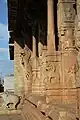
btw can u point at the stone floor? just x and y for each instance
(11, 117)
(30, 111)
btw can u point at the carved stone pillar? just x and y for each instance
(27, 69)
(34, 45)
(22, 70)
(43, 72)
(50, 32)
(52, 74)
(18, 71)
(40, 46)
(42, 51)
(78, 8)
(52, 79)
(35, 66)
(67, 13)
(77, 43)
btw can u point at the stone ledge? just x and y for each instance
(4, 111)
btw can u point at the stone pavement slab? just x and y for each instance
(11, 117)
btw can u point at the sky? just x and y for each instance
(6, 65)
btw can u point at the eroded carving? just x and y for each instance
(69, 12)
(51, 75)
(66, 40)
(77, 32)
(50, 66)
(27, 67)
(35, 77)
(11, 100)
(77, 45)
(70, 75)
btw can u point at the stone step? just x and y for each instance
(11, 117)
(9, 112)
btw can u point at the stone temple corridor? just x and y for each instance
(46, 53)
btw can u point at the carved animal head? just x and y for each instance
(50, 67)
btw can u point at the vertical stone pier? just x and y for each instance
(34, 44)
(35, 64)
(52, 74)
(22, 69)
(18, 71)
(66, 26)
(50, 24)
(42, 59)
(77, 43)
(40, 45)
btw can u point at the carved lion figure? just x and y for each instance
(11, 100)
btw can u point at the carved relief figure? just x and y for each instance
(77, 45)
(65, 44)
(35, 76)
(52, 75)
(11, 100)
(69, 11)
(70, 75)
(66, 41)
(27, 68)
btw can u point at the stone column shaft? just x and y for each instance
(78, 56)
(18, 71)
(40, 45)
(50, 32)
(34, 44)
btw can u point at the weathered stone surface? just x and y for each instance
(11, 117)
(49, 80)
(18, 71)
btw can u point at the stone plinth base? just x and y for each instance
(64, 96)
